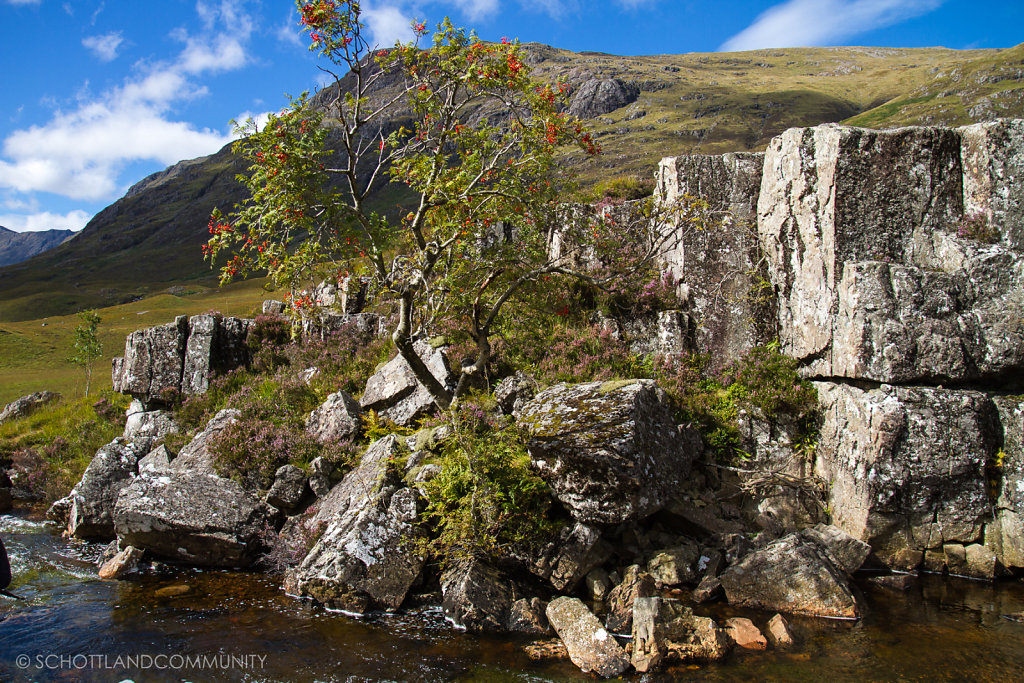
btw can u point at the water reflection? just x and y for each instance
(941, 630)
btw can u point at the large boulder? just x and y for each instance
(599, 96)
(337, 419)
(322, 324)
(26, 405)
(843, 550)
(906, 324)
(93, 498)
(153, 360)
(396, 394)
(577, 550)
(289, 489)
(636, 583)
(610, 451)
(774, 445)
(151, 424)
(906, 466)
(194, 518)
(792, 575)
(666, 631)
(215, 345)
(718, 266)
(590, 646)
(367, 556)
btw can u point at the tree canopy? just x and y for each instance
(483, 222)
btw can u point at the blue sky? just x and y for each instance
(97, 94)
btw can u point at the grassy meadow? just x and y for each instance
(33, 353)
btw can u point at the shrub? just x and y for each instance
(619, 189)
(486, 500)
(766, 378)
(29, 471)
(49, 449)
(267, 336)
(345, 359)
(976, 226)
(252, 449)
(567, 353)
(763, 378)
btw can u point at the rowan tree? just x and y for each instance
(475, 157)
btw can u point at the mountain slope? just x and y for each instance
(16, 247)
(640, 108)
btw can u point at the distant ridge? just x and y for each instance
(16, 247)
(641, 108)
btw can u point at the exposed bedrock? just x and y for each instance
(718, 264)
(181, 356)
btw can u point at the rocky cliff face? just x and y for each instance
(897, 280)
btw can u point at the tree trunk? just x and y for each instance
(471, 372)
(402, 337)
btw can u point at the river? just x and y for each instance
(213, 625)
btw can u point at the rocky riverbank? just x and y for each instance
(888, 264)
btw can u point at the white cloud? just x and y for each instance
(23, 2)
(80, 153)
(289, 31)
(477, 9)
(73, 220)
(104, 46)
(198, 56)
(804, 23)
(556, 9)
(259, 118)
(635, 4)
(388, 25)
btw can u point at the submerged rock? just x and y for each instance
(790, 575)
(590, 646)
(122, 563)
(779, 633)
(743, 632)
(609, 450)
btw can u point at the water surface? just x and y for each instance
(212, 625)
